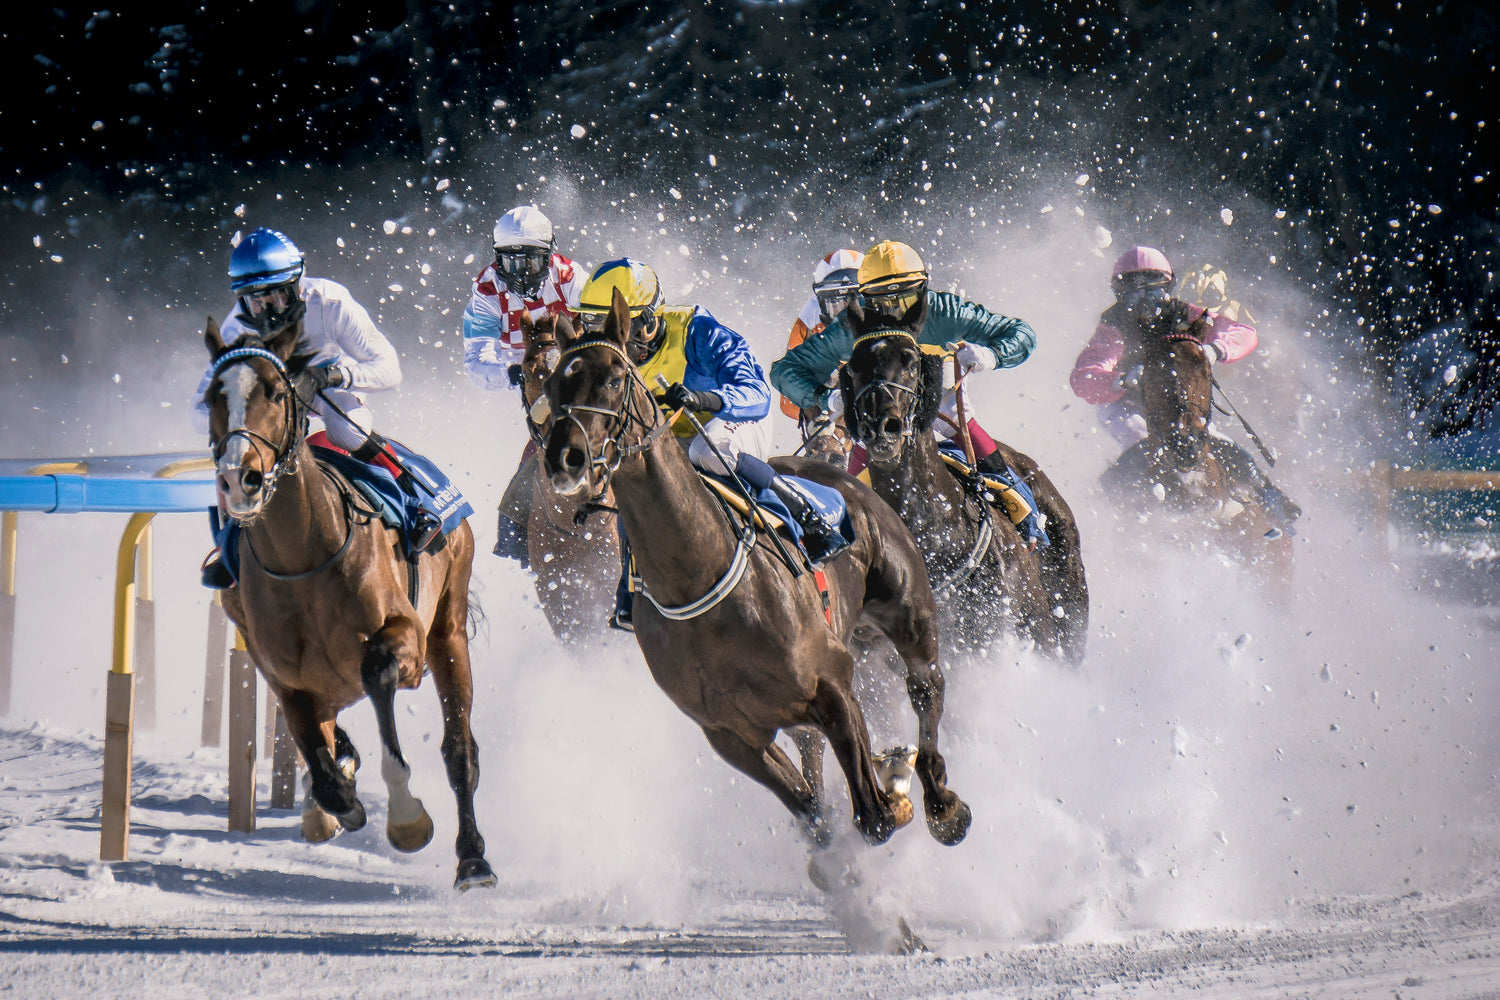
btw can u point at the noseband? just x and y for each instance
(865, 404)
(283, 456)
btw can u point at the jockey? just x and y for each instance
(527, 277)
(349, 354)
(893, 282)
(711, 373)
(1108, 370)
(835, 285)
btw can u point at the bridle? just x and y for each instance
(612, 449)
(877, 392)
(283, 456)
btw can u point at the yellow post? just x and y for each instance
(145, 635)
(7, 605)
(213, 673)
(114, 825)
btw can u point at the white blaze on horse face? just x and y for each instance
(237, 383)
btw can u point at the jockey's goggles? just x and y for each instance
(1139, 281)
(522, 262)
(895, 298)
(275, 299)
(832, 301)
(593, 322)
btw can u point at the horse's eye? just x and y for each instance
(909, 359)
(616, 382)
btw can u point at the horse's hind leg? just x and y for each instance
(448, 654)
(1062, 560)
(407, 825)
(768, 764)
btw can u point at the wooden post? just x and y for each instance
(119, 744)
(242, 739)
(1381, 481)
(213, 675)
(7, 605)
(283, 766)
(119, 706)
(145, 635)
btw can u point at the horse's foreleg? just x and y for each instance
(877, 813)
(809, 743)
(407, 825)
(768, 764)
(330, 780)
(448, 655)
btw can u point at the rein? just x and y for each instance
(350, 509)
(882, 383)
(283, 459)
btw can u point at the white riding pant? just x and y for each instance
(341, 433)
(751, 437)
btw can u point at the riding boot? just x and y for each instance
(510, 541)
(822, 540)
(215, 573)
(623, 618)
(1241, 466)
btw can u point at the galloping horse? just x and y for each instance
(740, 644)
(323, 602)
(1177, 462)
(576, 559)
(986, 578)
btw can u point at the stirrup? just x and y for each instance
(622, 621)
(425, 530)
(215, 575)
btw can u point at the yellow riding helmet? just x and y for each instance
(888, 264)
(637, 284)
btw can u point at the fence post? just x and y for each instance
(213, 674)
(242, 738)
(283, 766)
(119, 737)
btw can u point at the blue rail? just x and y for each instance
(65, 494)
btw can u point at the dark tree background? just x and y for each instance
(1365, 122)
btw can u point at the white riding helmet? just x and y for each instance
(523, 226)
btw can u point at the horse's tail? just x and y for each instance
(478, 620)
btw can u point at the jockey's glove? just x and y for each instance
(320, 377)
(515, 373)
(834, 404)
(1130, 379)
(1212, 353)
(680, 397)
(974, 357)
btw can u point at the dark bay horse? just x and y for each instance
(739, 643)
(988, 580)
(1176, 465)
(576, 558)
(322, 602)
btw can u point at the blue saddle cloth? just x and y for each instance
(828, 502)
(433, 492)
(1031, 528)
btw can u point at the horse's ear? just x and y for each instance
(916, 316)
(564, 330)
(527, 327)
(284, 342)
(617, 327)
(213, 340)
(856, 314)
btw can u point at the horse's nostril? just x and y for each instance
(573, 459)
(251, 480)
(891, 427)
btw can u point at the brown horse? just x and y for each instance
(1178, 463)
(988, 580)
(572, 542)
(322, 602)
(737, 639)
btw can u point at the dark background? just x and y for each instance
(1365, 123)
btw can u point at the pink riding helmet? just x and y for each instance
(1141, 259)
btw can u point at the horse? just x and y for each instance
(990, 581)
(742, 641)
(574, 548)
(323, 603)
(1177, 462)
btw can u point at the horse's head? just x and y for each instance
(599, 406)
(890, 386)
(1175, 386)
(255, 418)
(541, 339)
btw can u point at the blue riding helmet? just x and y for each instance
(264, 259)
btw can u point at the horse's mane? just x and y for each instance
(930, 392)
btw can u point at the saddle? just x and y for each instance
(1003, 489)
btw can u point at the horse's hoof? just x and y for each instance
(817, 876)
(318, 826)
(474, 873)
(410, 837)
(952, 830)
(906, 941)
(354, 819)
(902, 810)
